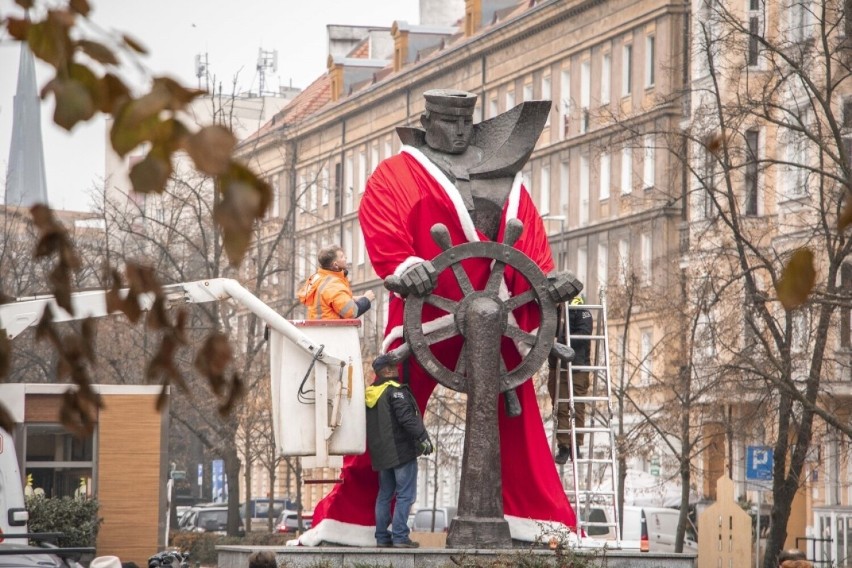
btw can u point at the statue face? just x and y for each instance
(446, 133)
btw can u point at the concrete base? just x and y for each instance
(485, 534)
(345, 557)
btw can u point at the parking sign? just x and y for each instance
(759, 463)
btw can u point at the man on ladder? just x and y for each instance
(579, 323)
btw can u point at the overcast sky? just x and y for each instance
(174, 31)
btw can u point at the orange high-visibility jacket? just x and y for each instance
(327, 295)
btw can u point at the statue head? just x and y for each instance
(448, 120)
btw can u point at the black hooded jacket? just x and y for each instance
(394, 425)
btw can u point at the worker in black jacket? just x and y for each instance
(395, 437)
(579, 323)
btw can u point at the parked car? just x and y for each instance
(443, 516)
(208, 519)
(657, 525)
(288, 521)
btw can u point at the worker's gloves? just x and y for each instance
(424, 446)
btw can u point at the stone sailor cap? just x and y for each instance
(450, 101)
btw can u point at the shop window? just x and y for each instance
(60, 464)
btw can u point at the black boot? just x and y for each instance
(563, 454)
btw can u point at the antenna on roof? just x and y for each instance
(201, 70)
(265, 60)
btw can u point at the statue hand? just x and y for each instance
(418, 279)
(564, 285)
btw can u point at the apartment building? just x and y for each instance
(766, 161)
(600, 175)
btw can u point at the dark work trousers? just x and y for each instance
(581, 388)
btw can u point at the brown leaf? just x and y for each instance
(49, 39)
(5, 354)
(114, 301)
(179, 95)
(60, 285)
(25, 4)
(142, 278)
(80, 6)
(88, 331)
(97, 51)
(6, 421)
(151, 174)
(74, 103)
(163, 398)
(845, 218)
(128, 131)
(157, 317)
(210, 148)
(79, 412)
(134, 45)
(44, 329)
(212, 360)
(245, 199)
(116, 93)
(234, 395)
(797, 279)
(163, 361)
(18, 29)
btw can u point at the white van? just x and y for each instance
(657, 524)
(13, 513)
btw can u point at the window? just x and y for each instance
(324, 189)
(646, 367)
(606, 71)
(754, 34)
(388, 148)
(626, 170)
(347, 242)
(362, 248)
(603, 265)
(623, 261)
(626, 69)
(544, 190)
(311, 192)
(645, 258)
(564, 180)
(348, 187)
(510, 98)
(585, 94)
(649, 61)
(604, 176)
(528, 92)
(493, 109)
(374, 157)
(582, 264)
(60, 463)
(708, 187)
(845, 312)
(301, 190)
(751, 185)
(800, 20)
(276, 196)
(546, 93)
(565, 102)
(584, 190)
(796, 156)
(648, 162)
(801, 331)
(362, 171)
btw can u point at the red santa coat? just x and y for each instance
(404, 198)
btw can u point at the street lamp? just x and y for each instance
(563, 243)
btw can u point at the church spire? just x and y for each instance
(26, 183)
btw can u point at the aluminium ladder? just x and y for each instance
(590, 472)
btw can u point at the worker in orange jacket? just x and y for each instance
(328, 294)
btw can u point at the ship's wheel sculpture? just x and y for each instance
(482, 318)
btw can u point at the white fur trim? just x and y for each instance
(451, 191)
(337, 532)
(428, 327)
(407, 263)
(515, 197)
(531, 530)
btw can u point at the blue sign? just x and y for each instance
(759, 460)
(218, 481)
(200, 474)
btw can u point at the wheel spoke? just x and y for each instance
(518, 334)
(461, 364)
(496, 277)
(442, 303)
(442, 333)
(462, 279)
(517, 301)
